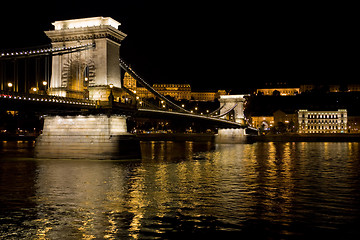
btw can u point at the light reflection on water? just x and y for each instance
(184, 189)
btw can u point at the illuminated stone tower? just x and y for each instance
(234, 106)
(236, 103)
(87, 73)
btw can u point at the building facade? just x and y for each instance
(288, 119)
(177, 91)
(264, 122)
(353, 87)
(282, 91)
(353, 124)
(129, 82)
(322, 121)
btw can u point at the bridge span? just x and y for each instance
(84, 97)
(50, 105)
(218, 122)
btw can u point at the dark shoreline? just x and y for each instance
(17, 138)
(335, 137)
(206, 137)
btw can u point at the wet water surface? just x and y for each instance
(184, 190)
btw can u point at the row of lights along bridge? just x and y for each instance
(33, 89)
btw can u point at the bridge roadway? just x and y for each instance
(48, 50)
(42, 103)
(55, 105)
(160, 114)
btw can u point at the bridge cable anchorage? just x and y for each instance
(227, 112)
(213, 113)
(45, 51)
(143, 83)
(131, 93)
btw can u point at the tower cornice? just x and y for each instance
(86, 33)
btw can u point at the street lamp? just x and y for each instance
(111, 96)
(10, 85)
(44, 83)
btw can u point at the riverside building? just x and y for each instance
(322, 121)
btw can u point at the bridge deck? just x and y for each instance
(47, 104)
(151, 113)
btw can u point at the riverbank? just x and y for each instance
(335, 137)
(206, 137)
(14, 137)
(196, 137)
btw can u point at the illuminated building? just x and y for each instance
(287, 118)
(334, 88)
(177, 91)
(322, 121)
(282, 91)
(353, 124)
(306, 87)
(207, 96)
(353, 87)
(265, 122)
(129, 82)
(203, 96)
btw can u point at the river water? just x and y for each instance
(185, 190)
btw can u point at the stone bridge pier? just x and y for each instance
(87, 137)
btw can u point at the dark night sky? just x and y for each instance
(217, 45)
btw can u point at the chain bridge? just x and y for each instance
(83, 98)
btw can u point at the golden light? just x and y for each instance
(34, 89)
(10, 84)
(111, 85)
(86, 22)
(44, 83)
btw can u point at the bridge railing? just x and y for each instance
(45, 98)
(44, 51)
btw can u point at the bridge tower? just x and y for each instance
(234, 106)
(91, 72)
(237, 112)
